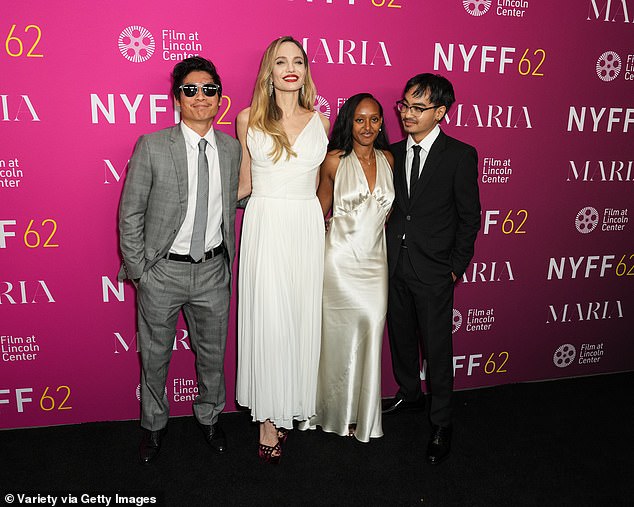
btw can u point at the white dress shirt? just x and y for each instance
(425, 144)
(213, 234)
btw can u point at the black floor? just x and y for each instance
(566, 442)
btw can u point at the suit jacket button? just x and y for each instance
(408, 218)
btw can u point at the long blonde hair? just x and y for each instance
(265, 114)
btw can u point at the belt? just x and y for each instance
(214, 252)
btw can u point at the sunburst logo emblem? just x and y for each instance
(322, 106)
(609, 66)
(564, 355)
(477, 7)
(456, 322)
(136, 44)
(587, 220)
(138, 392)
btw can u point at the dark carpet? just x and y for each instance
(560, 443)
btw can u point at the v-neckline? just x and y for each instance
(365, 177)
(303, 129)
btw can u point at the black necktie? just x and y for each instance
(413, 177)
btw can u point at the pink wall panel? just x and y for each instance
(544, 91)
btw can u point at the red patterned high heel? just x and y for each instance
(282, 434)
(266, 453)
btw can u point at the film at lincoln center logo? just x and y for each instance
(322, 106)
(608, 66)
(587, 220)
(564, 355)
(136, 44)
(477, 7)
(456, 321)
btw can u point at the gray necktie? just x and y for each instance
(197, 247)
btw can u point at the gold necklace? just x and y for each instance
(369, 161)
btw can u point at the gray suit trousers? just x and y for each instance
(202, 292)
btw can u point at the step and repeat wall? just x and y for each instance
(545, 91)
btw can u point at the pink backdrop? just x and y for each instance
(544, 91)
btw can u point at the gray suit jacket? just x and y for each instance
(154, 200)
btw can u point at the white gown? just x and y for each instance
(281, 279)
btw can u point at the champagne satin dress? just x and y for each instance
(354, 302)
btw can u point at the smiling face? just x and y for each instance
(366, 123)
(419, 127)
(199, 111)
(289, 68)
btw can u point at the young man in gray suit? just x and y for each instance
(176, 226)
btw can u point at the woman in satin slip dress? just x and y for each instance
(356, 183)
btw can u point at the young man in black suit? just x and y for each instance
(430, 239)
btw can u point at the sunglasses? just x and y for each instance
(209, 89)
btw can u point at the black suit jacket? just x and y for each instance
(442, 219)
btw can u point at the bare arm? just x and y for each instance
(390, 160)
(327, 180)
(325, 122)
(244, 185)
(389, 157)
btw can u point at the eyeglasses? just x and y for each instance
(209, 89)
(417, 111)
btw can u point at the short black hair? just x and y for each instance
(439, 88)
(341, 137)
(194, 63)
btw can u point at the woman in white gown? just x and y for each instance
(282, 246)
(356, 183)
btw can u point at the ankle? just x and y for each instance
(268, 434)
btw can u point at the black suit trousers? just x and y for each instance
(421, 314)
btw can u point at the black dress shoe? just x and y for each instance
(439, 444)
(150, 444)
(215, 437)
(397, 404)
